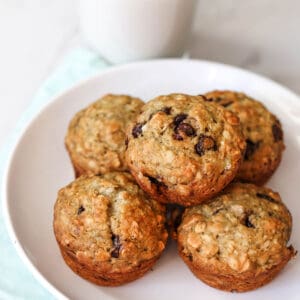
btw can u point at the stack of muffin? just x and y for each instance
(197, 164)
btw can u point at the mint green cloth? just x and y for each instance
(16, 282)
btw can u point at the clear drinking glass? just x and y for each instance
(128, 30)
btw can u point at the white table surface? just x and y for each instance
(35, 35)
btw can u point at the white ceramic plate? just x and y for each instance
(39, 166)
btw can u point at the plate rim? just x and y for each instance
(52, 101)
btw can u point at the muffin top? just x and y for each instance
(263, 133)
(108, 219)
(96, 135)
(245, 228)
(183, 149)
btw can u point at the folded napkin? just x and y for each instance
(16, 282)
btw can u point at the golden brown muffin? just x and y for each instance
(184, 150)
(108, 230)
(263, 133)
(238, 241)
(96, 135)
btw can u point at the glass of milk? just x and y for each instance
(128, 30)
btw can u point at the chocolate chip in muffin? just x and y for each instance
(137, 130)
(250, 148)
(177, 136)
(247, 222)
(186, 128)
(204, 144)
(178, 119)
(117, 246)
(80, 210)
(277, 132)
(167, 110)
(266, 197)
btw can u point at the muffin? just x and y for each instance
(238, 241)
(263, 133)
(182, 149)
(108, 230)
(96, 135)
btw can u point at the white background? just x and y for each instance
(35, 35)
